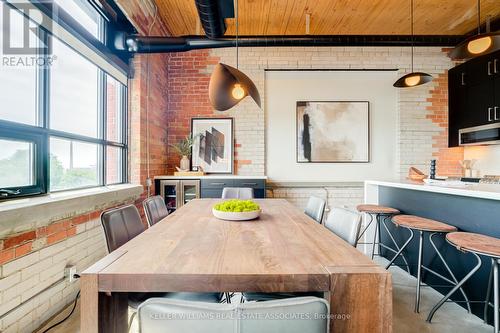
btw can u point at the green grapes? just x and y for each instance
(237, 205)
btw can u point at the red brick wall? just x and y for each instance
(448, 158)
(158, 104)
(188, 96)
(20, 244)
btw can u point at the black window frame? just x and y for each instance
(41, 132)
(14, 133)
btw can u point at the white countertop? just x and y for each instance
(221, 176)
(483, 191)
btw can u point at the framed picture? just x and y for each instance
(213, 144)
(333, 132)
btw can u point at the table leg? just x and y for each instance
(102, 312)
(89, 305)
(360, 299)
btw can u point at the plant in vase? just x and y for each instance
(183, 148)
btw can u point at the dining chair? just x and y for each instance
(293, 315)
(243, 193)
(315, 208)
(155, 209)
(344, 223)
(120, 226)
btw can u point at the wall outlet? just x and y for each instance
(69, 273)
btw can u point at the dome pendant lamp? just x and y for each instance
(479, 44)
(414, 78)
(228, 85)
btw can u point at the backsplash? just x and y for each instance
(488, 159)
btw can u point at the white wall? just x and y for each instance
(284, 88)
(488, 159)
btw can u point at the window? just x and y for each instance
(74, 92)
(22, 171)
(18, 84)
(62, 126)
(73, 164)
(84, 14)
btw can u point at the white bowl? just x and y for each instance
(236, 216)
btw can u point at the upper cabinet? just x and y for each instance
(474, 94)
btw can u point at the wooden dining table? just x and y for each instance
(282, 251)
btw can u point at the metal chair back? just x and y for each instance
(243, 193)
(344, 223)
(293, 315)
(315, 208)
(155, 209)
(121, 225)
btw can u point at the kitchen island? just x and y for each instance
(469, 207)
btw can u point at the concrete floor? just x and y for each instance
(451, 318)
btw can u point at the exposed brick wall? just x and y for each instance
(158, 105)
(187, 96)
(343, 195)
(438, 113)
(33, 260)
(422, 126)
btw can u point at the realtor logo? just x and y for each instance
(20, 34)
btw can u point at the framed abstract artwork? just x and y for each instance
(213, 144)
(333, 132)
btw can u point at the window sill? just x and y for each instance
(21, 214)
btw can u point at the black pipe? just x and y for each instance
(211, 18)
(140, 44)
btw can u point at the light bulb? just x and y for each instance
(238, 92)
(413, 80)
(479, 45)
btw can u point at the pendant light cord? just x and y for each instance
(412, 34)
(478, 17)
(237, 32)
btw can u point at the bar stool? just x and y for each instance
(477, 244)
(423, 225)
(381, 214)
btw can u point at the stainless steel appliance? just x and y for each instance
(480, 135)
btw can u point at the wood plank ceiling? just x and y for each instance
(333, 17)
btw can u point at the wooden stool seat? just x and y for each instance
(481, 244)
(423, 224)
(376, 209)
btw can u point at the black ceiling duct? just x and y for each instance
(140, 44)
(212, 14)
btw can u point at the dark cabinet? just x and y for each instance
(212, 188)
(177, 192)
(473, 95)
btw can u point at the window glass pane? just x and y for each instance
(17, 79)
(83, 13)
(73, 164)
(16, 163)
(73, 92)
(114, 108)
(113, 165)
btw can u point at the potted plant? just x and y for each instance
(183, 148)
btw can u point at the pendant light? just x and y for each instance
(478, 44)
(414, 78)
(228, 85)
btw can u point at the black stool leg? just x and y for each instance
(394, 242)
(367, 226)
(401, 249)
(454, 289)
(488, 292)
(375, 236)
(495, 295)
(454, 279)
(419, 269)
